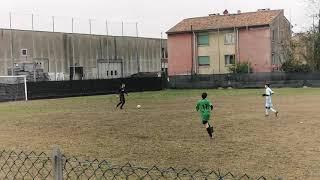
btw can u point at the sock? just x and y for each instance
(209, 131)
(119, 103)
(267, 112)
(273, 110)
(211, 128)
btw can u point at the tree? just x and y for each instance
(312, 36)
(296, 48)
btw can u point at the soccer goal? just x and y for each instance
(13, 88)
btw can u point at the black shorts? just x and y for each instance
(205, 122)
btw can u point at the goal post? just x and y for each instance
(13, 88)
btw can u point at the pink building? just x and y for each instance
(210, 44)
(256, 51)
(180, 50)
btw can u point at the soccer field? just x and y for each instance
(166, 130)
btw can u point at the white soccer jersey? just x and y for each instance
(269, 92)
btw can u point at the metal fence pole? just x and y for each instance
(137, 48)
(73, 58)
(11, 45)
(57, 164)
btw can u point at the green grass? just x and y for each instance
(68, 104)
(226, 92)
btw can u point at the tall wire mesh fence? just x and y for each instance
(32, 165)
(36, 22)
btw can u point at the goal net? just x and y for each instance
(13, 88)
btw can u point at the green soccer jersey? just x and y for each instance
(204, 107)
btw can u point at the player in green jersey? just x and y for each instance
(205, 107)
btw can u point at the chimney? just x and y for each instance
(214, 14)
(225, 12)
(267, 9)
(239, 12)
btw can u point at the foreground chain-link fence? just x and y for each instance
(22, 165)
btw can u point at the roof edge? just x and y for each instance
(216, 29)
(235, 14)
(170, 31)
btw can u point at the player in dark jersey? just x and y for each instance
(205, 107)
(122, 91)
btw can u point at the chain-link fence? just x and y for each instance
(72, 24)
(22, 165)
(251, 80)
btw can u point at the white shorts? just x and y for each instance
(269, 102)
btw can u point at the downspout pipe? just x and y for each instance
(192, 52)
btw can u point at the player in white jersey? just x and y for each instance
(269, 105)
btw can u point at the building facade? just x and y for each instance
(211, 44)
(65, 56)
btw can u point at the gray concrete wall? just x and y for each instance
(63, 50)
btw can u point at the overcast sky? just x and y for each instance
(153, 16)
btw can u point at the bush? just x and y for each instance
(240, 68)
(292, 66)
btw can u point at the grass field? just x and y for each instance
(167, 131)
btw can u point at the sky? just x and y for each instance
(153, 16)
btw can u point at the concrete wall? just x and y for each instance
(62, 50)
(180, 54)
(216, 50)
(255, 47)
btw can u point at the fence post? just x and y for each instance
(57, 166)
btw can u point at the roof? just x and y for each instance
(258, 18)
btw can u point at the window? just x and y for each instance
(115, 73)
(111, 73)
(229, 38)
(229, 59)
(107, 73)
(24, 52)
(203, 39)
(204, 60)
